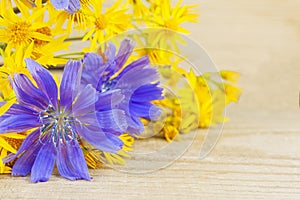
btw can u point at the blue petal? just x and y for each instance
(44, 163)
(93, 70)
(17, 109)
(145, 110)
(43, 79)
(142, 72)
(70, 83)
(63, 163)
(97, 138)
(109, 99)
(135, 126)
(27, 94)
(110, 51)
(92, 61)
(23, 165)
(113, 120)
(29, 141)
(18, 123)
(67, 160)
(124, 52)
(60, 4)
(78, 161)
(139, 63)
(74, 5)
(85, 102)
(147, 93)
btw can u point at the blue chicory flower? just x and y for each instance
(61, 122)
(137, 81)
(70, 6)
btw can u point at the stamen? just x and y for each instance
(57, 126)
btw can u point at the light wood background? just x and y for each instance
(258, 154)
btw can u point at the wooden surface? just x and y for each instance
(258, 154)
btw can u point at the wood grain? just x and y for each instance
(258, 155)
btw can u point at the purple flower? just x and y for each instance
(61, 124)
(138, 82)
(70, 6)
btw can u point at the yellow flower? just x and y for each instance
(233, 93)
(96, 158)
(9, 143)
(200, 102)
(172, 18)
(20, 30)
(140, 10)
(107, 24)
(230, 76)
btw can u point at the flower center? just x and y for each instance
(57, 126)
(19, 33)
(44, 31)
(101, 22)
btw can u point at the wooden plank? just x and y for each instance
(257, 156)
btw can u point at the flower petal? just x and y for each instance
(74, 5)
(43, 164)
(70, 83)
(60, 4)
(20, 109)
(124, 52)
(97, 138)
(109, 99)
(110, 51)
(43, 79)
(108, 120)
(141, 71)
(93, 70)
(78, 161)
(23, 165)
(18, 123)
(71, 163)
(63, 163)
(147, 93)
(85, 102)
(92, 61)
(29, 141)
(27, 94)
(112, 120)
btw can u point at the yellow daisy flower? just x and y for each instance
(107, 24)
(20, 30)
(172, 18)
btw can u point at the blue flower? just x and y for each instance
(61, 124)
(70, 6)
(137, 81)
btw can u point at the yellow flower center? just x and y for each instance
(101, 22)
(19, 33)
(44, 31)
(15, 143)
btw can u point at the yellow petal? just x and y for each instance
(6, 145)
(6, 106)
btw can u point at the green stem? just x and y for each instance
(69, 54)
(74, 38)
